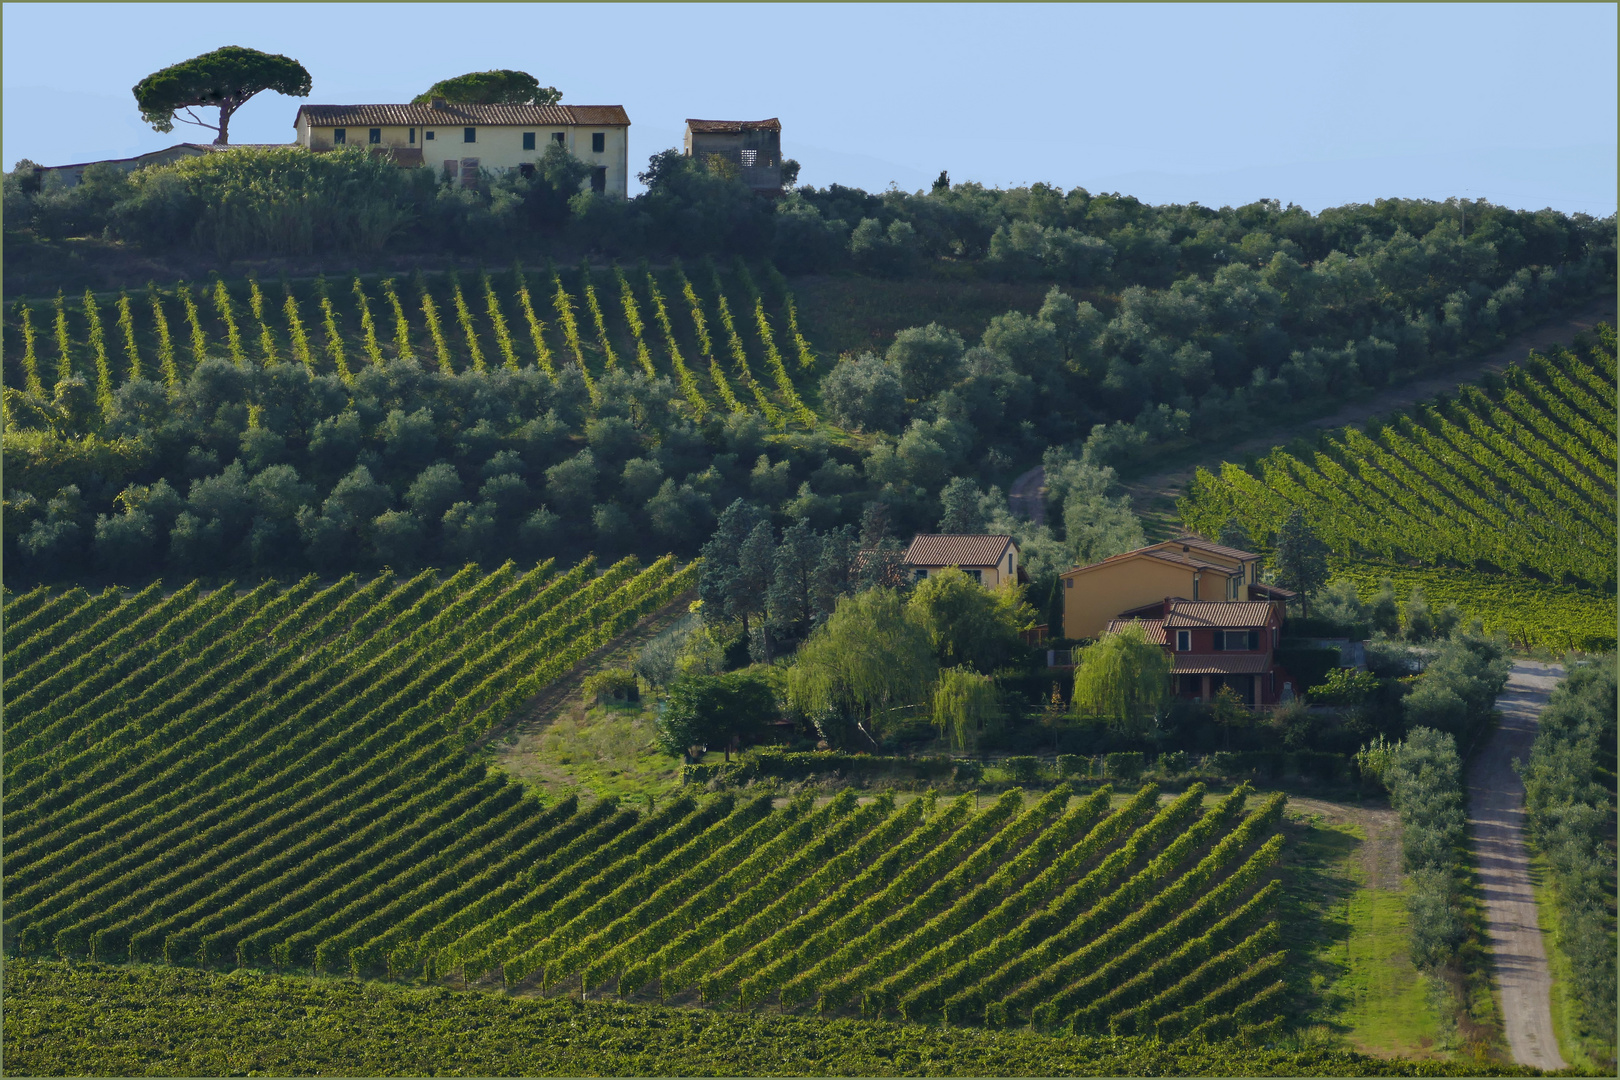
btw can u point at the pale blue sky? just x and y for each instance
(1314, 104)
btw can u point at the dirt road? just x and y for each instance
(1153, 496)
(1496, 832)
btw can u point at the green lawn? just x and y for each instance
(1386, 1004)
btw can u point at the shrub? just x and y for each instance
(614, 684)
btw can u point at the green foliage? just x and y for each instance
(1424, 777)
(501, 86)
(1299, 558)
(219, 1024)
(713, 710)
(870, 660)
(967, 624)
(1123, 678)
(132, 830)
(1513, 477)
(1570, 814)
(1344, 686)
(615, 684)
(965, 703)
(226, 78)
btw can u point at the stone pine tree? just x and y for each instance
(750, 590)
(1300, 559)
(960, 500)
(224, 79)
(501, 86)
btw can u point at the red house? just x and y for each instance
(1216, 643)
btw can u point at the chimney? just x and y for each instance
(1185, 549)
(438, 103)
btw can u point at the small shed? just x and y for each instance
(754, 146)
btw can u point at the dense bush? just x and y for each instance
(1424, 778)
(1569, 786)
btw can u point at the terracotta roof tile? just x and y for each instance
(1219, 613)
(1276, 592)
(955, 549)
(1200, 544)
(733, 127)
(468, 115)
(1219, 664)
(1153, 629)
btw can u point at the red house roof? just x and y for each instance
(956, 549)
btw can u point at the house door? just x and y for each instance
(469, 172)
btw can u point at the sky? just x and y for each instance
(1314, 104)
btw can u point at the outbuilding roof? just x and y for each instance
(957, 549)
(471, 115)
(1219, 664)
(733, 127)
(1219, 613)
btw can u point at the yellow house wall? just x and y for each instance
(1101, 595)
(497, 148)
(989, 576)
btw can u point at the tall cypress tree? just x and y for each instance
(1300, 558)
(792, 594)
(751, 584)
(720, 556)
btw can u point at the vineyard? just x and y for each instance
(1516, 477)
(280, 777)
(725, 343)
(257, 775)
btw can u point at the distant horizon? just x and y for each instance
(1315, 105)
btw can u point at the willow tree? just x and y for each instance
(1123, 677)
(224, 79)
(965, 703)
(868, 662)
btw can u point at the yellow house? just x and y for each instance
(1188, 568)
(460, 140)
(989, 560)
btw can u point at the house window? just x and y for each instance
(413, 136)
(599, 179)
(1231, 588)
(1192, 685)
(598, 142)
(1183, 641)
(427, 136)
(374, 136)
(1068, 583)
(1009, 564)
(528, 140)
(1237, 640)
(469, 134)
(526, 168)
(921, 574)
(750, 158)
(976, 575)
(340, 136)
(1195, 586)
(557, 137)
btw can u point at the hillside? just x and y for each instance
(195, 1023)
(1513, 477)
(282, 777)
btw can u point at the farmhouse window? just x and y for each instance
(1183, 641)
(1231, 588)
(598, 142)
(750, 158)
(1068, 583)
(427, 135)
(469, 134)
(413, 136)
(922, 573)
(374, 136)
(340, 136)
(599, 179)
(526, 168)
(557, 137)
(528, 140)
(976, 575)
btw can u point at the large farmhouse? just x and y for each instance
(460, 140)
(1188, 567)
